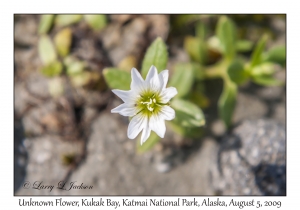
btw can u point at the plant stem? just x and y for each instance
(216, 71)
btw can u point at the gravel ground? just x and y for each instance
(75, 138)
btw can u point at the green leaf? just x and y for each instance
(75, 68)
(199, 71)
(226, 102)
(69, 60)
(226, 32)
(213, 43)
(52, 69)
(46, 50)
(156, 55)
(151, 141)
(264, 69)
(276, 55)
(45, 23)
(199, 99)
(187, 113)
(190, 132)
(63, 40)
(184, 19)
(183, 78)
(267, 80)
(117, 79)
(256, 56)
(97, 22)
(201, 30)
(64, 20)
(196, 49)
(244, 45)
(237, 72)
(81, 79)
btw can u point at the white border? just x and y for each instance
(8, 8)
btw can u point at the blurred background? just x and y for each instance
(229, 135)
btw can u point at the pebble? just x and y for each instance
(163, 167)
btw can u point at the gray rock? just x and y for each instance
(45, 164)
(159, 26)
(280, 112)
(252, 160)
(20, 156)
(112, 166)
(25, 29)
(123, 41)
(129, 35)
(37, 84)
(248, 107)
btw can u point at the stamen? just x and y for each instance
(149, 102)
(150, 108)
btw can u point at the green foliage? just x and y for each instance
(117, 79)
(256, 56)
(183, 20)
(230, 67)
(213, 54)
(65, 20)
(264, 69)
(151, 141)
(276, 54)
(52, 69)
(189, 117)
(46, 50)
(74, 66)
(96, 22)
(198, 98)
(63, 41)
(196, 48)
(201, 31)
(83, 78)
(189, 132)
(156, 55)
(226, 32)
(267, 81)
(237, 72)
(214, 43)
(226, 102)
(45, 23)
(183, 78)
(51, 54)
(187, 113)
(244, 45)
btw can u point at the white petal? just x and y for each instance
(137, 82)
(157, 124)
(163, 77)
(137, 123)
(167, 113)
(125, 109)
(152, 79)
(151, 73)
(146, 133)
(125, 95)
(167, 94)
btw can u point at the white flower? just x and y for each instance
(147, 102)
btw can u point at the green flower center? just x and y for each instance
(149, 103)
